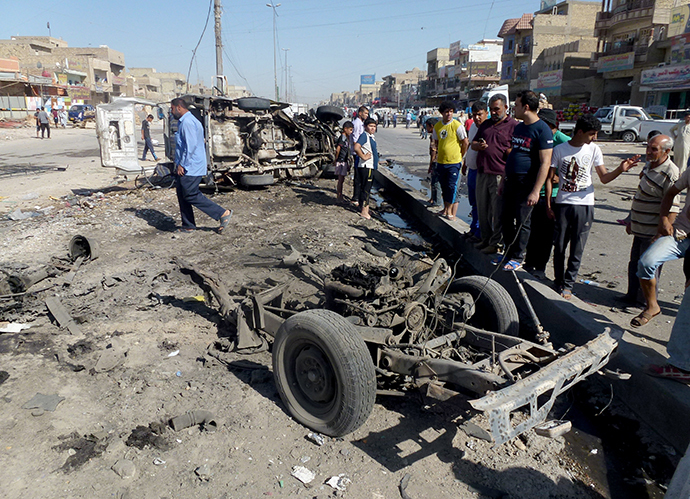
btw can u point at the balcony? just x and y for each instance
(523, 49)
(637, 9)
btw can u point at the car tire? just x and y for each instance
(259, 180)
(629, 136)
(324, 372)
(494, 310)
(329, 113)
(253, 104)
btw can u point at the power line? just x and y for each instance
(208, 16)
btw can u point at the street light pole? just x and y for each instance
(286, 76)
(275, 65)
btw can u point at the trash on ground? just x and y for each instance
(124, 468)
(476, 431)
(317, 438)
(338, 482)
(14, 327)
(63, 318)
(303, 474)
(554, 428)
(193, 418)
(45, 402)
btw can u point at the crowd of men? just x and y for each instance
(531, 191)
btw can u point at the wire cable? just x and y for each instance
(208, 16)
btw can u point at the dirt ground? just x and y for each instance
(118, 380)
(121, 380)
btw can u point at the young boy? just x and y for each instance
(365, 147)
(343, 156)
(572, 162)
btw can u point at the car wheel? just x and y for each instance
(324, 372)
(253, 104)
(494, 309)
(259, 180)
(329, 113)
(629, 136)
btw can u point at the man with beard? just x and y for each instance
(492, 144)
(469, 167)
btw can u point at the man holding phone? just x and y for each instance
(492, 143)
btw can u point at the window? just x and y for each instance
(510, 44)
(633, 113)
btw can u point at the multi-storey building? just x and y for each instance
(402, 88)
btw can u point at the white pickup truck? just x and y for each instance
(629, 123)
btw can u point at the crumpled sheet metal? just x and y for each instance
(557, 377)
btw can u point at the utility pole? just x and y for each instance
(275, 65)
(219, 47)
(286, 76)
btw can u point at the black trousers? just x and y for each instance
(541, 237)
(189, 195)
(516, 217)
(44, 127)
(573, 223)
(366, 180)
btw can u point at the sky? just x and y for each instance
(331, 43)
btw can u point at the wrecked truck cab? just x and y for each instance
(253, 141)
(117, 132)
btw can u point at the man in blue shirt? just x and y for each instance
(190, 167)
(527, 166)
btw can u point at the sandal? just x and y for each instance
(224, 222)
(643, 319)
(497, 259)
(512, 265)
(668, 371)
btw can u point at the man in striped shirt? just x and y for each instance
(657, 177)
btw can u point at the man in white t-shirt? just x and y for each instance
(573, 162)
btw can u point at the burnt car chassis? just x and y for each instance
(406, 323)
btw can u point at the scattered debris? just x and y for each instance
(14, 327)
(203, 472)
(476, 431)
(124, 468)
(403, 486)
(61, 315)
(80, 449)
(173, 353)
(4, 376)
(45, 402)
(151, 436)
(303, 474)
(113, 356)
(18, 214)
(193, 418)
(554, 428)
(317, 438)
(369, 248)
(338, 482)
(157, 461)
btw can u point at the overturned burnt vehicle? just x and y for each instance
(405, 324)
(249, 141)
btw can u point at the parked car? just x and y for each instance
(81, 112)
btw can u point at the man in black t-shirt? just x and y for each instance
(146, 137)
(343, 157)
(526, 169)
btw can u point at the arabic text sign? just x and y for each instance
(618, 62)
(550, 79)
(367, 79)
(679, 19)
(666, 75)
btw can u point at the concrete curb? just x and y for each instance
(662, 404)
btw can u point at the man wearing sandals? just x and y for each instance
(670, 243)
(190, 168)
(574, 162)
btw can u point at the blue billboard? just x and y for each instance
(367, 79)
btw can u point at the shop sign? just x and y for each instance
(549, 82)
(455, 49)
(79, 93)
(618, 62)
(679, 21)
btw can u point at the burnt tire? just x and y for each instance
(261, 180)
(329, 113)
(495, 310)
(324, 372)
(253, 104)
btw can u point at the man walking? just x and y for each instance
(658, 176)
(451, 145)
(146, 137)
(44, 121)
(190, 167)
(492, 143)
(526, 170)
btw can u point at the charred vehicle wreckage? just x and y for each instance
(409, 323)
(249, 141)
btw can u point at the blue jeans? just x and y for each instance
(148, 146)
(472, 198)
(678, 346)
(662, 250)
